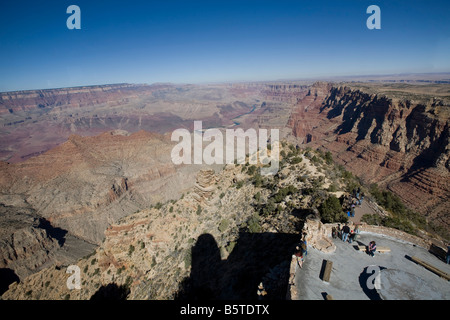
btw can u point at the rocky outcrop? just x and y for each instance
(205, 186)
(24, 245)
(317, 235)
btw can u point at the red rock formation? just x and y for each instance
(401, 144)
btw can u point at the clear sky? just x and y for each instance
(213, 41)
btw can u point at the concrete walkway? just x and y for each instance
(353, 273)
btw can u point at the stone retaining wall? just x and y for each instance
(397, 234)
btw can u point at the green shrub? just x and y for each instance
(158, 205)
(315, 160)
(331, 211)
(251, 170)
(328, 157)
(372, 219)
(188, 258)
(296, 160)
(269, 208)
(395, 222)
(130, 250)
(253, 224)
(332, 188)
(257, 180)
(224, 225)
(284, 192)
(387, 199)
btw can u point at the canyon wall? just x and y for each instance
(402, 144)
(17, 101)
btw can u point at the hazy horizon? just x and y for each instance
(217, 42)
(354, 78)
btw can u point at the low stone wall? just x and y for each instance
(394, 233)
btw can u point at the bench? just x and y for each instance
(325, 272)
(379, 249)
(433, 269)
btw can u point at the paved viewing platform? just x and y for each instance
(353, 272)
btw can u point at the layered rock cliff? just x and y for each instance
(401, 143)
(87, 183)
(25, 101)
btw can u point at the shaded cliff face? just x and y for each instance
(29, 243)
(24, 245)
(400, 143)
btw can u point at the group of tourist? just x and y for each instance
(353, 200)
(345, 233)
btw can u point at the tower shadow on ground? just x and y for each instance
(254, 256)
(111, 292)
(364, 278)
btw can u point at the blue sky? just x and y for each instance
(213, 41)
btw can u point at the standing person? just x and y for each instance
(354, 234)
(345, 232)
(372, 248)
(334, 232)
(299, 256)
(304, 246)
(350, 236)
